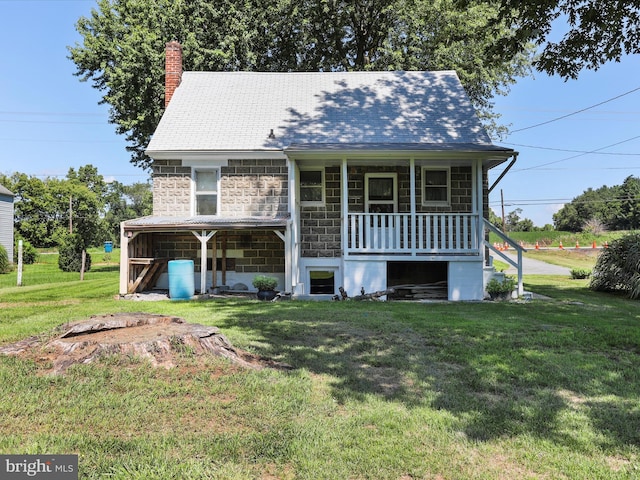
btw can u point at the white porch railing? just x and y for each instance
(407, 234)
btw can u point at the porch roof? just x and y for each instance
(491, 155)
(203, 222)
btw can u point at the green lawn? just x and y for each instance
(539, 389)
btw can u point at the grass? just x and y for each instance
(572, 258)
(542, 389)
(552, 238)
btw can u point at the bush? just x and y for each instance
(5, 265)
(580, 273)
(29, 252)
(618, 267)
(262, 282)
(70, 255)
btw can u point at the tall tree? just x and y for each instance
(122, 49)
(124, 202)
(593, 32)
(616, 207)
(46, 210)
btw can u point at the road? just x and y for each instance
(534, 267)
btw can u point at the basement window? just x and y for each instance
(322, 282)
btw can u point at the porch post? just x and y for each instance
(124, 261)
(204, 237)
(478, 208)
(344, 196)
(413, 237)
(291, 274)
(286, 239)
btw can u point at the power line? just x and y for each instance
(569, 150)
(54, 114)
(579, 155)
(576, 112)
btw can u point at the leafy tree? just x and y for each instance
(616, 208)
(122, 51)
(495, 219)
(516, 224)
(70, 254)
(618, 267)
(124, 202)
(599, 31)
(36, 216)
(629, 204)
(29, 252)
(5, 265)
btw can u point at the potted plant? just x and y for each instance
(266, 286)
(501, 289)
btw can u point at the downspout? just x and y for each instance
(511, 164)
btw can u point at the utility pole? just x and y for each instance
(71, 215)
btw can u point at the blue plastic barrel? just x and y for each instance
(108, 247)
(181, 282)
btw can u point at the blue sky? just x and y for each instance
(50, 121)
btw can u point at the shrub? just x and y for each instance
(262, 282)
(29, 252)
(70, 255)
(501, 288)
(5, 265)
(618, 267)
(580, 273)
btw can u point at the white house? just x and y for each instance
(6, 220)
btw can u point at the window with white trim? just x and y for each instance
(312, 186)
(436, 186)
(206, 191)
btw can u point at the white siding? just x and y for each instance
(6, 224)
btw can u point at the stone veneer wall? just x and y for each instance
(247, 188)
(320, 226)
(171, 188)
(254, 188)
(262, 251)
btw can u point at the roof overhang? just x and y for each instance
(491, 155)
(203, 222)
(197, 155)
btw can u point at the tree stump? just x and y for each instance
(160, 339)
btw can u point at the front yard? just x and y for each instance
(540, 389)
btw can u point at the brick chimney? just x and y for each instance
(173, 70)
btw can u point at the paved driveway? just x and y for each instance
(535, 267)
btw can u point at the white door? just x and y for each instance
(381, 201)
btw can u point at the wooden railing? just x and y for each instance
(404, 233)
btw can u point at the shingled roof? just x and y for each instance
(5, 191)
(238, 111)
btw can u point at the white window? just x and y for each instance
(206, 191)
(312, 186)
(381, 192)
(436, 186)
